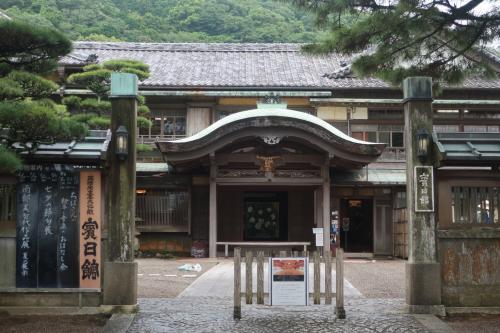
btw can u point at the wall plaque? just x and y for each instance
(90, 229)
(424, 189)
(47, 227)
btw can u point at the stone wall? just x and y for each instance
(470, 261)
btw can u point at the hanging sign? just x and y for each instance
(90, 229)
(424, 189)
(289, 279)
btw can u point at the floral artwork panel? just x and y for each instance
(262, 221)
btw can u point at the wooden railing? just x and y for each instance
(393, 154)
(163, 212)
(317, 259)
(145, 139)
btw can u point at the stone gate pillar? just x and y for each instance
(120, 270)
(423, 278)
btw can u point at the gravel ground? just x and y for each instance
(377, 278)
(160, 278)
(52, 324)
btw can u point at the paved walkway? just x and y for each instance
(218, 282)
(207, 306)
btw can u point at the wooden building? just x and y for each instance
(212, 163)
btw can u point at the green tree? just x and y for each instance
(27, 117)
(398, 38)
(95, 112)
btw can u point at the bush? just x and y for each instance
(9, 162)
(73, 103)
(95, 106)
(143, 123)
(99, 123)
(143, 148)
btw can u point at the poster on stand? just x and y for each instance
(289, 281)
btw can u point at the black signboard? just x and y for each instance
(47, 242)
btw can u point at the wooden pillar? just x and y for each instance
(212, 233)
(120, 271)
(339, 284)
(325, 171)
(423, 278)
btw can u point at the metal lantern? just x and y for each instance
(423, 144)
(122, 142)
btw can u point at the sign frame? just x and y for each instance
(305, 282)
(417, 192)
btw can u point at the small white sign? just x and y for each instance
(289, 278)
(319, 239)
(317, 230)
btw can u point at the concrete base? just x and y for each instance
(473, 310)
(437, 310)
(423, 284)
(120, 283)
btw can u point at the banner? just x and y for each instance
(288, 281)
(90, 229)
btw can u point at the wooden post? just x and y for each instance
(317, 273)
(325, 171)
(119, 270)
(339, 292)
(237, 284)
(260, 277)
(423, 273)
(212, 233)
(248, 283)
(328, 276)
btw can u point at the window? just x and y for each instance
(385, 114)
(474, 205)
(7, 202)
(163, 208)
(391, 135)
(171, 123)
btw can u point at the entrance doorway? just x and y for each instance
(358, 215)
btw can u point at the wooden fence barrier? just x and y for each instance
(328, 295)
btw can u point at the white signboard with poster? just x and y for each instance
(288, 281)
(318, 233)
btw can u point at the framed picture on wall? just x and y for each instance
(261, 220)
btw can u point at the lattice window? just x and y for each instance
(475, 204)
(7, 202)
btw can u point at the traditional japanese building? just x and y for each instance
(261, 142)
(214, 164)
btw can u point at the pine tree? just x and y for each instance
(27, 116)
(394, 39)
(95, 112)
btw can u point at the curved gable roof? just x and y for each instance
(282, 123)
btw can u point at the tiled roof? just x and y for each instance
(471, 147)
(231, 65)
(183, 65)
(225, 65)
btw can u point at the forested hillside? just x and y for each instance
(168, 20)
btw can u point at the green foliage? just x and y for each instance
(95, 106)
(29, 121)
(9, 162)
(30, 48)
(97, 77)
(397, 39)
(27, 51)
(32, 85)
(169, 20)
(73, 103)
(83, 117)
(143, 148)
(143, 110)
(143, 123)
(99, 123)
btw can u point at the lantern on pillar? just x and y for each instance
(423, 143)
(122, 142)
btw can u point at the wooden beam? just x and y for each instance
(212, 234)
(325, 172)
